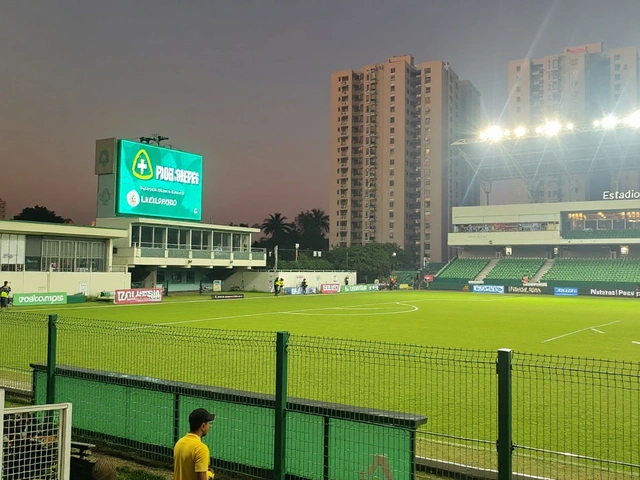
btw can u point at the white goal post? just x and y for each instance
(36, 441)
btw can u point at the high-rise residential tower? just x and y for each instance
(580, 85)
(394, 177)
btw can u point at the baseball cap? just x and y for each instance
(200, 416)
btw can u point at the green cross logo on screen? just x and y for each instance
(141, 167)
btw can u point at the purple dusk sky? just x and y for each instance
(244, 83)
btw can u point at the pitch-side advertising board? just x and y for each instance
(488, 288)
(135, 296)
(330, 288)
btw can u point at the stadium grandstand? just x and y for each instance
(560, 208)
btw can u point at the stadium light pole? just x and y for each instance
(297, 248)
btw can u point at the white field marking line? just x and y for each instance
(413, 309)
(597, 331)
(578, 331)
(290, 312)
(177, 302)
(633, 341)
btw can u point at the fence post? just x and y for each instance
(505, 440)
(280, 439)
(51, 359)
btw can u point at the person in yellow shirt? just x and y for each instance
(190, 454)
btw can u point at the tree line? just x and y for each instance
(301, 245)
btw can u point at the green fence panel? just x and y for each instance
(357, 447)
(241, 434)
(23, 339)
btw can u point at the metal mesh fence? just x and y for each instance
(149, 420)
(573, 418)
(576, 418)
(23, 339)
(454, 388)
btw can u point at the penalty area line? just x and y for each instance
(578, 331)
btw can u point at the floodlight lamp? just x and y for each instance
(609, 122)
(596, 123)
(633, 120)
(570, 126)
(520, 131)
(495, 133)
(539, 130)
(484, 135)
(552, 128)
(507, 133)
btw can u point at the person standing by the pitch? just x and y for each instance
(190, 454)
(5, 290)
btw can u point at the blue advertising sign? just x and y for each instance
(158, 182)
(488, 288)
(565, 291)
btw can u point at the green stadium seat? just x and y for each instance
(464, 268)
(515, 268)
(595, 269)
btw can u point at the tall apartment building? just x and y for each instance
(3, 209)
(393, 176)
(580, 85)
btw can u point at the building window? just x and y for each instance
(392, 130)
(617, 87)
(393, 88)
(616, 77)
(390, 224)
(390, 214)
(616, 67)
(392, 141)
(392, 120)
(518, 89)
(518, 109)
(427, 70)
(390, 203)
(427, 89)
(392, 99)
(392, 161)
(392, 183)
(392, 109)
(427, 79)
(518, 68)
(393, 78)
(616, 58)
(574, 61)
(393, 70)
(518, 99)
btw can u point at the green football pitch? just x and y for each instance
(605, 328)
(563, 401)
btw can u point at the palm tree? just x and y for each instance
(311, 226)
(276, 226)
(320, 220)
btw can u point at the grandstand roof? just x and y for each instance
(580, 151)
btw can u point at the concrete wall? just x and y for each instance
(263, 281)
(33, 282)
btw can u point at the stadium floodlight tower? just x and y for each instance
(557, 161)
